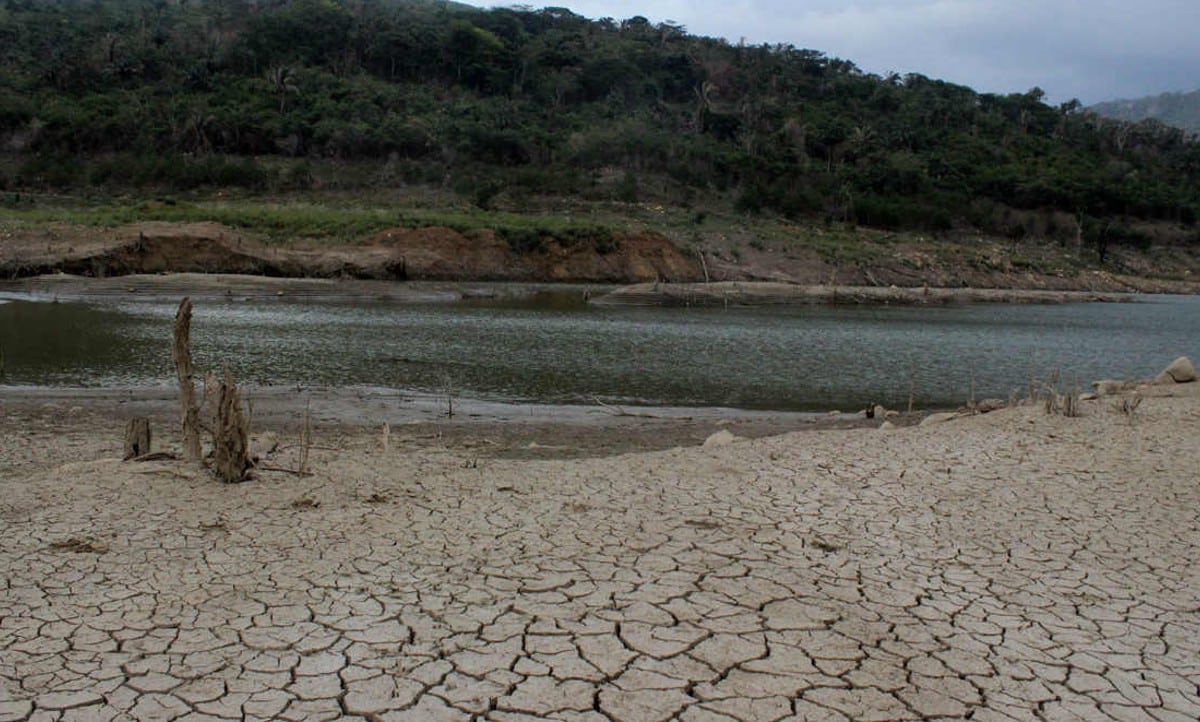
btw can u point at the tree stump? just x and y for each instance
(181, 354)
(231, 442)
(137, 438)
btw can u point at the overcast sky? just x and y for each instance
(1092, 50)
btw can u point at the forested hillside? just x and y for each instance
(184, 94)
(1181, 110)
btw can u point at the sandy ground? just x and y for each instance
(1013, 565)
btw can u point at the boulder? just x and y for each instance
(938, 418)
(887, 426)
(989, 405)
(1181, 371)
(721, 438)
(263, 445)
(1112, 387)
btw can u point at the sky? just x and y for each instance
(1092, 50)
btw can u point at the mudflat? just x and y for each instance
(1013, 565)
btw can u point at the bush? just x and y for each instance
(523, 241)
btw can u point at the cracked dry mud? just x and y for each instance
(1009, 566)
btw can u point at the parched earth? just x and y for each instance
(1009, 566)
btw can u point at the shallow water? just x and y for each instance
(555, 350)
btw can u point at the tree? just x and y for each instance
(283, 83)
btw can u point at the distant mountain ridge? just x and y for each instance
(1181, 110)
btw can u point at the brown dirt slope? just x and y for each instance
(396, 254)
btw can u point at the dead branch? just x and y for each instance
(618, 411)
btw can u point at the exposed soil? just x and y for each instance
(1012, 565)
(960, 263)
(478, 429)
(444, 254)
(432, 254)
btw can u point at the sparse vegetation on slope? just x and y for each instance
(502, 109)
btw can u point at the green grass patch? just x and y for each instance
(285, 221)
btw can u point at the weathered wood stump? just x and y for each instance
(181, 354)
(231, 442)
(137, 438)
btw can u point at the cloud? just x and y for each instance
(1093, 50)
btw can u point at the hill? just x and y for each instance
(1181, 110)
(509, 106)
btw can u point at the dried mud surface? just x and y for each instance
(1009, 566)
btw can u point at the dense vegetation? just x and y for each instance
(1181, 110)
(506, 104)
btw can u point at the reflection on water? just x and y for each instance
(558, 350)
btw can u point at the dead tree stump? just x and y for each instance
(181, 354)
(231, 444)
(137, 438)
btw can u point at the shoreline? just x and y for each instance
(514, 429)
(766, 293)
(725, 293)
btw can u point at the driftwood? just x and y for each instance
(231, 442)
(618, 411)
(181, 354)
(137, 438)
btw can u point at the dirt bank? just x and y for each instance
(444, 254)
(399, 254)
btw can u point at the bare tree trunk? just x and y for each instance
(137, 438)
(181, 353)
(231, 458)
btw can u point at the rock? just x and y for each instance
(891, 414)
(721, 438)
(1181, 371)
(1112, 387)
(879, 412)
(938, 418)
(887, 426)
(990, 405)
(1089, 397)
(263, 445)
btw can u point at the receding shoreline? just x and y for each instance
(725, 293)
(765, 293)
(512, 428)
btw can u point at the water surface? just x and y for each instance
(801, 358)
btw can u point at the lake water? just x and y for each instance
(803, 358)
